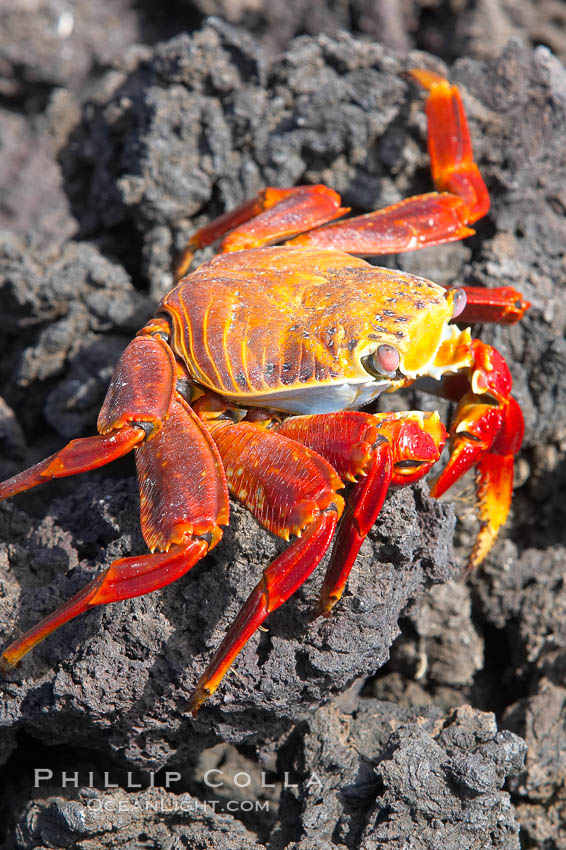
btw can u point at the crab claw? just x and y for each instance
(417, 440)
(486, 432)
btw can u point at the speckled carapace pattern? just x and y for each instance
(259, 321)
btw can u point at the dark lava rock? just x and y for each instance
(118, 819)
(61, 317)
(33, 203)
(404, 777)
(382, 775)
(63, 42)
(527, 604)
(448, 29)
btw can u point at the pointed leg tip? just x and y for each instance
(439, 485)
(427, 79)
(5, 665)
(200, 694)
(470, 568)
(325, 606)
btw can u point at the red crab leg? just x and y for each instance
(123, 579)
(290, 490)
(181, 510)
(271, 216)
(449, 144)
(486, 432)
(77, 456)
(183, 493)
(422, 220)
(502, 304)
(122, 422)
(416, 222)
(375, 451)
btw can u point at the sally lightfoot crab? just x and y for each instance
(249, 379)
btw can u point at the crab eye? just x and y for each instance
(386, 359)
(460, 300)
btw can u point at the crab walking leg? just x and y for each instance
(362, 509)
(375, 451)
(77, 456)
(502, 304)
(416, 222)
(271, 216)
(123, 579)
(279, 581)
(449, 145)
(486, 433)
(412, 444)
(181, 510)
(352, 442)
(422, 220)
(135, 403)
(290, 490)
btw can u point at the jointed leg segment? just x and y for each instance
(373, 451)
(422, 220)
(77, 456)
(273, 215)
(123, 579)
(432, 219)
(279, 581)
(290, 490)
(184, 498)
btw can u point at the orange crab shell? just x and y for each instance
(289, 328)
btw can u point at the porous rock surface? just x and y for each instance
(450, 29)
(195, 126)
(379, 776)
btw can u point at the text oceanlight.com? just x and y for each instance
(184, 803)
